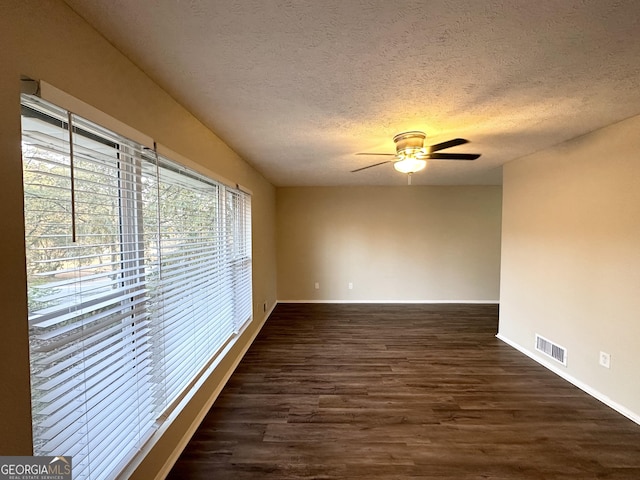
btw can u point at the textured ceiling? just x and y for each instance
(297, 87)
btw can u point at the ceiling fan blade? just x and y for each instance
(389, 154)
(448, 144)
(452, 156)
(369, 166)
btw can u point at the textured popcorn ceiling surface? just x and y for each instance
(297, 87)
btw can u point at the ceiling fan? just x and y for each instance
(411, 155)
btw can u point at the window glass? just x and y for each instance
(139, 272)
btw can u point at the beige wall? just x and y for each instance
(571, 257)
(393, 243)
(44, 39)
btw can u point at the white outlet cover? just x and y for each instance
(605, 359)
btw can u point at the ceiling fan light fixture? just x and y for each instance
(411, 154)
(410, 165)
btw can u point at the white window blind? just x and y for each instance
(139, 272)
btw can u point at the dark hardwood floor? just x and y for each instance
(402, 392)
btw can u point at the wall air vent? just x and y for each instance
(553, 350)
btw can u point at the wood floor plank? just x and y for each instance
(402, 392)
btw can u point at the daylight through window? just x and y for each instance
(139, 274)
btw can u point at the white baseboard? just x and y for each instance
(581, 385)
(408, 302)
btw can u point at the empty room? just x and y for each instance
(320, 239)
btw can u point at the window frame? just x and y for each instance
(130, 160)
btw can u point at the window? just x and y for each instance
(139, 273)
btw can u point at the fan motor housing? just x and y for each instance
(409, 141)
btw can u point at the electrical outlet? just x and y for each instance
(350, 285)
(317, 285)
(605, 360)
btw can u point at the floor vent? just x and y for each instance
(551, 349)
